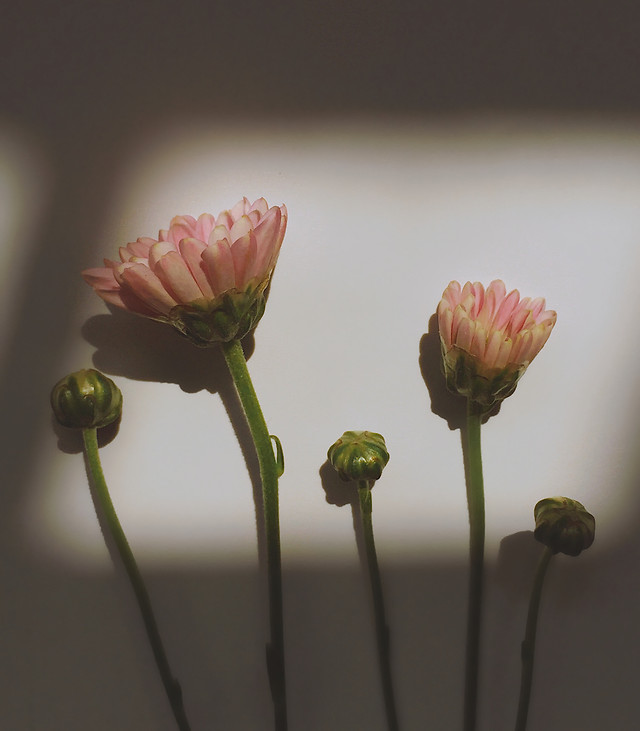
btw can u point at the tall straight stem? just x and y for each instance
(234, 355)
(475, 499)
(171, 685)
(529, 642)
(382, 628)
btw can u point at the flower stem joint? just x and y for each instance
(564, 525)
(86, 399)
(359, 456)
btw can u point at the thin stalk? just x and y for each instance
(171, 685)
(382, 628)
(269, 472)
(475, 498)
(529, 642)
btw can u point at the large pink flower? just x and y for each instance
(489, 338)
(207, 277)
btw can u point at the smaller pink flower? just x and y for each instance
(207, 277)
(489, 338)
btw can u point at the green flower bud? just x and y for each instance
(86, 399)
(359, 455)
(564, 525)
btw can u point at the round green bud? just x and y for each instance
(86, 399)
(359, 455)
(564, 525)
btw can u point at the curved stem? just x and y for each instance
(382, 628)
(269, 470)
(529, 642)
(171, 685)
(475, 498)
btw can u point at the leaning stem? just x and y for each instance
(237, 364)
(529, 642)
(382, 628)
(475, 498)
(171, 685)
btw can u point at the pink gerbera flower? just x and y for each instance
(489, 338)
(207, 277)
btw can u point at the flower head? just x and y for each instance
(489, 338)
(564, 525)
(86, 399)
(207, 277)
(359, 455)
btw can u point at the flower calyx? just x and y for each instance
(564, 525)
(86, 399)
(359, 455)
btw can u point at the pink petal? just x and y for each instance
(218, 266)
(445, 322)
(504, 353)
(452, 294)
(537, 306)
(267, 234)
(144, 284)
(204, 226)
(224, 219)
(478, 297)
(159, 250)
(464, 336)
(479, 342)
(240, 209)
(181, 227)
(493, 348)
(260, 205)
(219, 233)
(241, 227)
(506, 309)
(191, 250)
(244, 253)
(176, 278)
(102, 278)
(139, 248)
(459, 314)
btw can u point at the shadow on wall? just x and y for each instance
(87, 82)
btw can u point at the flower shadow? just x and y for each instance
(341, 493)
(70, 440)
(144, 350)
(518, 556)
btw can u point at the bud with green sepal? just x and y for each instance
(564, 525)
(86, 399)
(359, 455)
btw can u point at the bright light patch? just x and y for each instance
(382, 217)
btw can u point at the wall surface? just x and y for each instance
(413, 143)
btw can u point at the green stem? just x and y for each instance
(529, 642)
(171, 685)
(475, 498)
(382, 628)
(269, 472)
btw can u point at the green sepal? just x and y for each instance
(230, 316)
(86, 399)
(359, 455)
(466, 375)
(564, 525)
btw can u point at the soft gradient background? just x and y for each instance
(413, 143)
